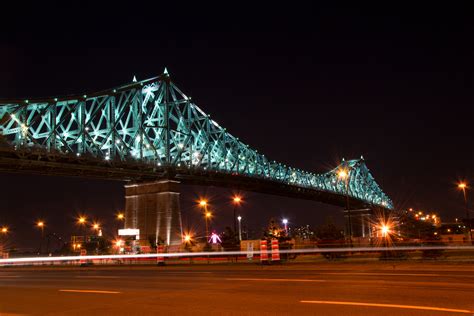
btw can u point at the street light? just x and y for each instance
(344, 175)
(4, 230)
(207, 215)
(121, 218)
(236, 200)
(463, 186)
(96, 227)
(187, 238)
(285, 222)
(82, 222)
(240, 227)
(40, 225)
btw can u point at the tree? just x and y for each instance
(229, 240)
(274, 230)
(330, 236)
(329, 231)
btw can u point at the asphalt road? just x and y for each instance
(323, 289)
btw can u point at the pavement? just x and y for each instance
(294, 289)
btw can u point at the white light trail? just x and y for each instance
(224, 253)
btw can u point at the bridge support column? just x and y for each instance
(153, 208)
(359, 222)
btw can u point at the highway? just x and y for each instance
(240, 289)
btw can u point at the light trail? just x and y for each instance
(426, 308)
(91, 291)
(385, 274)
(274, 280)
(224, 253)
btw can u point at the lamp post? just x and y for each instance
(285, 222)
(82, 222)
(236, 200)
(40, 225)
(207, 215)
(240, 227)
(463, 186)
(96, 227)
(344, 174)
(385, 230)
(120, 217)
(4, 232)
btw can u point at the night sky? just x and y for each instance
(305, 85)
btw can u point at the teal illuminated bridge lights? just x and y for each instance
(152, 123)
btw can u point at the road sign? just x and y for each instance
(250, 251)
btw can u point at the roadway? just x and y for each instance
(299, 289)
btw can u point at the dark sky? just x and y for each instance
(305, 85)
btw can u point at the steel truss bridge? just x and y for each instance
(150, 130)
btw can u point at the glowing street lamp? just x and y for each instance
(119, 244)
(4, 230)
(207, 215)
(344, 175)
(82, 222)
(187, 238)
(96, 227)
(236, 200)
(285, 222)
(463, 186)
(385, 229)
(121, 218)
(40, 225)
(239, 218)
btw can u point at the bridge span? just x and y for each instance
(150, 134)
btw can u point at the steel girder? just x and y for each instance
(152, 122)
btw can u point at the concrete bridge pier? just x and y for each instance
(153, 208)
(361, 222)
